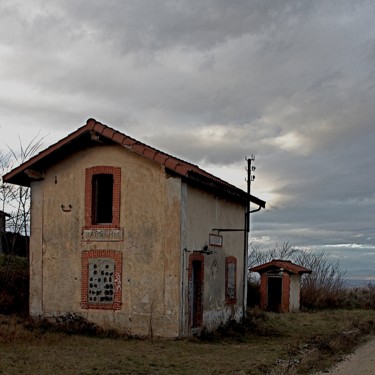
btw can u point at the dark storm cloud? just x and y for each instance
(212, 82)
(202, 24)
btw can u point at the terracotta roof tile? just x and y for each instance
(127, 142)
(149, 153)
(180, 167)
(170, 163)
(278, 263)
(91, 123)
(107, 132)
(160, 158)
(118, 138)
(138, 148)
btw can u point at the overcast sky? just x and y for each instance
(290, 81)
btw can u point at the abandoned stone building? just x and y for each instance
(123, 235)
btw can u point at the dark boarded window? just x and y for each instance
(101, 280)
(102, 198)
(230, 280)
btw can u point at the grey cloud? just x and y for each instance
(155, 25)
(214, 81)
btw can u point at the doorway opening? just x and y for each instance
(196, 284)
(274, 294)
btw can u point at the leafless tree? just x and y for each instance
(259, 256)
(325, 286)
(15, 200)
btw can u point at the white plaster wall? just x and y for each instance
(205, 212)
(295, 286)
(36, 250)
(150, 217)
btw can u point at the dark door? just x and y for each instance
(274, 293)
(196, 303)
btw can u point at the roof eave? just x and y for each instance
(192, 173)
(17, 175)
(262, 269)
(222, 188)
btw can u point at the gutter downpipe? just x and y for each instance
(245, 261)
(246, 255)
(246, 240)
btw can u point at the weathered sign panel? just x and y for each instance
(105, 234)
(215, 240)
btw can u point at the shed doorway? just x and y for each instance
(274, 294)
(196, 303)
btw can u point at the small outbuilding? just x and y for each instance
(280, 285)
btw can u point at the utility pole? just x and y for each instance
(250, 177)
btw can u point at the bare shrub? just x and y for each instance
(255, 323)
(15, 200)
(325, 286)
(360, 298)
(259, 256)
(70, 324)
(14, 285)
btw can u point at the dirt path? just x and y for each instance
(361, 362)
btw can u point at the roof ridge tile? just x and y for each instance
(175, 164)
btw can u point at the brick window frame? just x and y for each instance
(116, 256)
(196, 321)
(89, 173)
(229, 298)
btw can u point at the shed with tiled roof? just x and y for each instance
(280, 285)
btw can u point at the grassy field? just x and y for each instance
(265, 344)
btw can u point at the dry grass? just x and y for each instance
(14, 284)
(264, 344)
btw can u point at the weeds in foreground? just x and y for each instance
(70, 324)
(263, 343)
(14, 285)
(322, 349)
(305, 347)
(256, 323)
(360, 298)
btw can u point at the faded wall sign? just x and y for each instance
(215, 240)
(105, 234)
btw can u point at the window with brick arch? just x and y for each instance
(102, 197)
(230, 280)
